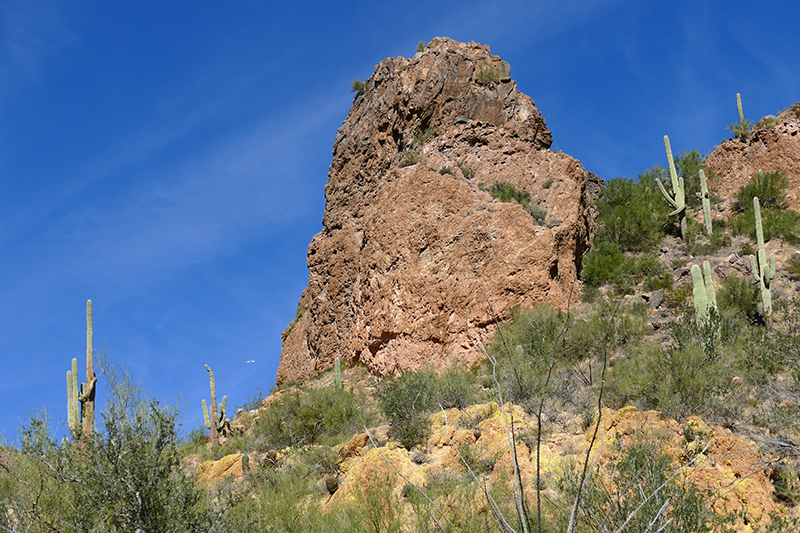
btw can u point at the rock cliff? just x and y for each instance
(773, 144)
(412, 241)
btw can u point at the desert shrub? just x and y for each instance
(677, 381)
(643, 493)
(525, 351)
(605, 329)
(359, 87)
(423, 136)
(507, 192)
(411, 157)
(769, 187)
(446, 170)
(486, 74)
(129, 477)
(406, 401)
(737, 299)
(467, 171)
(632, 214)
(454, 388)
(606, 264)
(775, 223)
(421, 46)
(601, 264)
(793, 267)
(310, 417)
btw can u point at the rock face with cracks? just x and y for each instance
(412, 244)
(769, 147)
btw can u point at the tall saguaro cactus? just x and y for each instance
(705, 303)
(706, 198)
(80, 398)
(677, 199)
(763, 273)
(214, 420)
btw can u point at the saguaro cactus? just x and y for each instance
(763, 273)
(705, 297)
(337, 374)
(677, 199)
(706, 198)
(705, 305)
(80, 399)
(214, 420)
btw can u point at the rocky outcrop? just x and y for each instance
(412, 245)
(734, 475)
(773, 144)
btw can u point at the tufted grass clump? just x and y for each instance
(486, 74)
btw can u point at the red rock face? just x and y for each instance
(409, 254)
(768, 148)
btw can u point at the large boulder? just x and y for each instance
(416, 260)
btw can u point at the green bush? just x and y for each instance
(525, 351)
(486, 74)
(406, 401)
(632, 214)
(321, 415)
(128, 478)
(507, 192)
(678, 381)
(359, 87)
(411, 157)
(738, 299)
(770, 188)
(421, 137)
(775, 223)
(467, 171)
(644, 493)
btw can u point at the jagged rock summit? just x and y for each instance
(412, 241)
(773, 144)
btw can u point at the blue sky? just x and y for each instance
(167, 159)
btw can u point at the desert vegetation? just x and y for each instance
(604, 416)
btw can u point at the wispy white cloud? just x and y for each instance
(208, 202)
(31, 31)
